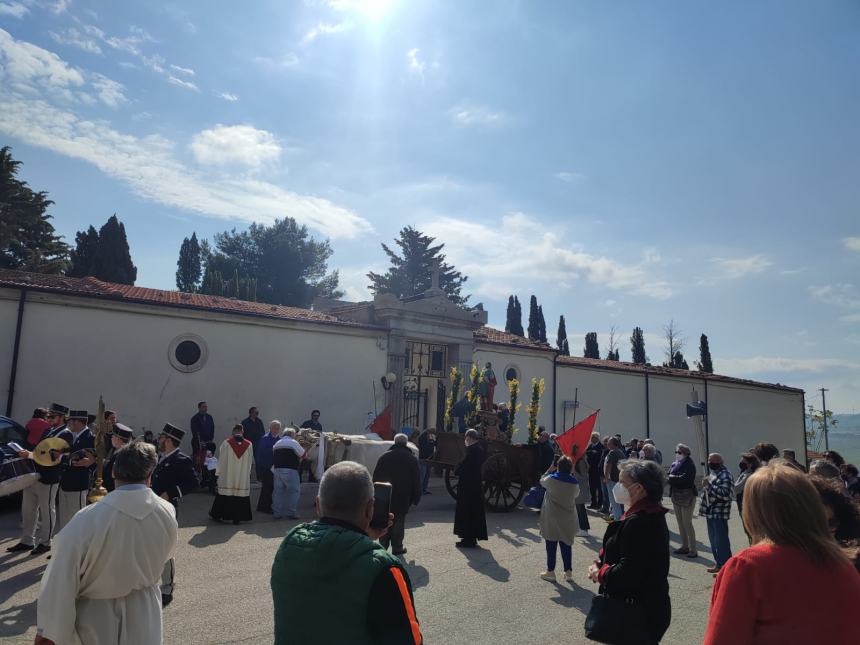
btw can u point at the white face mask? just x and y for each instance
(621, 494)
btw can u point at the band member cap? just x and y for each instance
(173, 432)
(78, 415)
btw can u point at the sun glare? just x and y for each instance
(374, 10)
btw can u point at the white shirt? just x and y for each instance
(288, 442)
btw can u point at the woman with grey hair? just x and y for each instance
(634, 562)
(682, 491)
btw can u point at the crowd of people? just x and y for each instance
(802, 531)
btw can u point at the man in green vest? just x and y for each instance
(332, 582)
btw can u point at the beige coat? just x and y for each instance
(558, 521)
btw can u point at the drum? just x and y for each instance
(16, 474)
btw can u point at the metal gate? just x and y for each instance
(440, 405)
(415, 408)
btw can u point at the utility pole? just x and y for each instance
(824, 416)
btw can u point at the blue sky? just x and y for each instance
(629, 163)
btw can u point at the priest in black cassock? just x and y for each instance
(470, 523)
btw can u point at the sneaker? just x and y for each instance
(548, 575)
(582, 533)
(20, 547)
(682, 551)
(568, 575)
(714, 569)
(39, 549)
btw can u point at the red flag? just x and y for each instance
(382, 424)
(574, 441)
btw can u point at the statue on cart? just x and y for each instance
(487, 387)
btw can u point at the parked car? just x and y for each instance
(10, 430)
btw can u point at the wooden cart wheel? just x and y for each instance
(502, 490)
(451, 482)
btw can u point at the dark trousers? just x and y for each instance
(565, 555)
(582, 514)
(595, 488)
(395, 534)
(264, 504)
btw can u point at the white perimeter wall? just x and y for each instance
(72, 353)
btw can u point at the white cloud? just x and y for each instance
(770, 364)
(14, 9)
(290, 59)
(416, 65)
(181, 83)
(839, 295)
(852, 243)
(531, 256)
(353, 281)
(150, 168)
(732, 268)
(476, 115)
(75, 38)
(27, 66)
(324, 29)
(109, 91)
(568, 177)
(235, 144)
(187, 71)
(60, 6)
(227, 96)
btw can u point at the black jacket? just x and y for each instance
(637, 552)
(426, 446)
(77, 478)
(175, 476)
(399, 468)
(594, 454)
(202, 427)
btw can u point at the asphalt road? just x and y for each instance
(490, 595)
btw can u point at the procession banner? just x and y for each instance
(574, 441)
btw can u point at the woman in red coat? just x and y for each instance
(795, 584)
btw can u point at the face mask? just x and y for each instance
(742, 465)
(238, 438)
(621, 494)
(714, 467)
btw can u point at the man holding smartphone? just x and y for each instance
(399, 467)
(337, 562)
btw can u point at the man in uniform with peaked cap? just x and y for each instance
(77, 469)
(121, 436)
(173, 477)
(38, 505)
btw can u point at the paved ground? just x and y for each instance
(491, 595)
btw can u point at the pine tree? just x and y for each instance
(27, 238)
(678, 362)
(188, 267)
(83, 256)
(411, 274)
(705, 364)
(591, 349)
(113, 258)
(561, 338)
(637, 346)
(541, 325)
(517, 327)
(510, 315)
(534, 325)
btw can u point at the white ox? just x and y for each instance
(363, 449)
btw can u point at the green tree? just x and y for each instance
(511, 316)
(410, 273)
(534, 322)
(561, 338)
(112, 262)
(83, 256)
(637, 346)
(678, 362)
(541, 325)
(815, 427)
(286, 265)
(591, 349)
(517, 327)
(27, 238)
(188, 267)
(612, 355)
(705, 364)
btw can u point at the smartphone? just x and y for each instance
(381, 505)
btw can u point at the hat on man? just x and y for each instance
(78, 415)
(173, 432)
(123, 432)
(56, 408)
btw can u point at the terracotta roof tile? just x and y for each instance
(498, 337)
(92, 287)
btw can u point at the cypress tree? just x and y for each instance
(637, 346)
(113, 258)
(591, 349)
(510, 315)
(678, 362)
(84, 254)
(541, 325)
(188, 267)
(612, 356)
(517, 327)
(534, 325)
(561, 338)
(705, 364)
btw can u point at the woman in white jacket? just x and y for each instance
(558, 522)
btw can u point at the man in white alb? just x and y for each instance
(102, 585)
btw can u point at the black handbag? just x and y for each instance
(616, 621)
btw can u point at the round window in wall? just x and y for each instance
(511, 373)
(187, 353)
